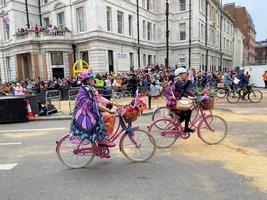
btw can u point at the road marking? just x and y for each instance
(7, 144)
(32, 130)
(8, 166)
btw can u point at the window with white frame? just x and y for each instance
(46, 21)
(182, 5)
(144, 29)
(130, 25)
(6, 26)
(148, 5)
(80, 19)
(109, 19)
(149, 31)
(57, 58)
(61, 20)
(3, 2)
(154, 32)
(182, 27)
(120, 21)
(143, 3)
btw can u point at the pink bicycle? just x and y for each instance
(211, 129)
(136, 145)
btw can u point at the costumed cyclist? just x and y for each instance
(175, 93)
(91, 119)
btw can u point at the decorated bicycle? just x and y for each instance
(194, 112)
(91, 133)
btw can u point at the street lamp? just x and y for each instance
(167, 34)
(138, 32)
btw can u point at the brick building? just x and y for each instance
(244, 22)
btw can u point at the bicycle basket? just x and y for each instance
(208, 104)
(131, 115)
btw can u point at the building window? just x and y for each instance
(6, 26)
(149, 33)
(144, 60)
(57, 58)
(8, 67)
(120, 22)
(131, 59)
(130, 23)
(61, 20)
(80, 19)
(143, 3)
(46, 21)
(109, 19)
(182, 32)
(148, 4)
(3, 2)
(182, 5)
(149, 59)
(45, 1)
(144, 29)
(85, 56)
(154, 32)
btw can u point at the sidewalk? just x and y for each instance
(243, 108)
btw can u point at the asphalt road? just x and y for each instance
(188, 170)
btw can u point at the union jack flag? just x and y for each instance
(135, 100)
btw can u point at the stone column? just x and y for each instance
(45, 76)
(35, 67)
(71, 63)
(18, 67)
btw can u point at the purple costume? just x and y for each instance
(87, 122)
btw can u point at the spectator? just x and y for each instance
(265, 78)
(19, 90)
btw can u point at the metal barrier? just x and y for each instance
(49, 96)
(71, 96)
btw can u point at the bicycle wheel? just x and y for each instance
(161, 112)
(65, 153)
(255, 96)
(221, 93)
(117, 95)
(233, 96)
(163, 141)
(212, 130)
(127, 94)
(138, 147)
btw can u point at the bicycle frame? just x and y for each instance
(103, 151)
(201, 116)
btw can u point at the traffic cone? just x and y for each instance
(30, 116)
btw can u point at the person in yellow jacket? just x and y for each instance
(265, 78)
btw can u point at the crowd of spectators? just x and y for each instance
(50, 30)
(155, 78)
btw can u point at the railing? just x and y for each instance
(52, 95)
(261, 62)
(43, 35)
(71, 96)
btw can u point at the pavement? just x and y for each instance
(189, 170)
(242, 107)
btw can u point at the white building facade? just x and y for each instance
(238, 57)
(104, 33)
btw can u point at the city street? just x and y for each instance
(235, 169)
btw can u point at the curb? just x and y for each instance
(69, 117)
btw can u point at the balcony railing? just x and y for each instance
(261, 62)
(43, 35)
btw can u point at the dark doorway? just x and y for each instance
(58, 72)
(110, 61)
